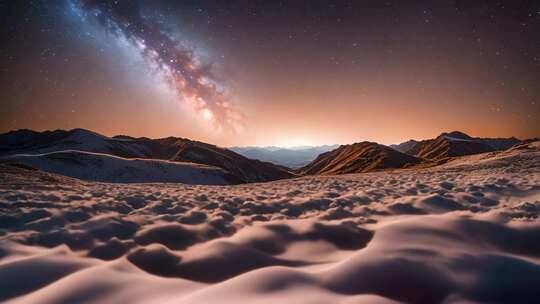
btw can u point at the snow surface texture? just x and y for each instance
(467, 232)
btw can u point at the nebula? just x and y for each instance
(192, 80)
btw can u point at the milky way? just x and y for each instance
(304, 72)
(192, 80)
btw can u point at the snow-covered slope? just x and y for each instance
(466, 232)
(170, 148)
(31, 142)
(107, 168)
(245, 169)
(520, 153)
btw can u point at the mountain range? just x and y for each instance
(178, 150)
(88, 155)
(290, 157)
(454, 144)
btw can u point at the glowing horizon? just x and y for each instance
(336, 75)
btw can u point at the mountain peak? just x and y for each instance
(456, 134)
(359, 157)
(404, 146)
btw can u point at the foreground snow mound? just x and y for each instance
(107, 168)
(466, 232)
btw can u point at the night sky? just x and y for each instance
(272, 72)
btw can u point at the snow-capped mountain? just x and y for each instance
(113, 169)
(170, 149)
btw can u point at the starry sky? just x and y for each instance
(264, 73)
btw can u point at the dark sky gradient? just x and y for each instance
(272, 72)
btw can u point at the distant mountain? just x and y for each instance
(458, 144)
(404, 146)
(171, 148)
(290, 157)
(359, 157)
(113, 169)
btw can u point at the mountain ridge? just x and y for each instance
(457, 143)
(169, 148)
(354, 158)
(359, 157)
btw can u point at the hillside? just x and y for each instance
(404, 146)
(359, 157)
(113, 169)
(170, 149)
(458, 144)
(249, 170)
